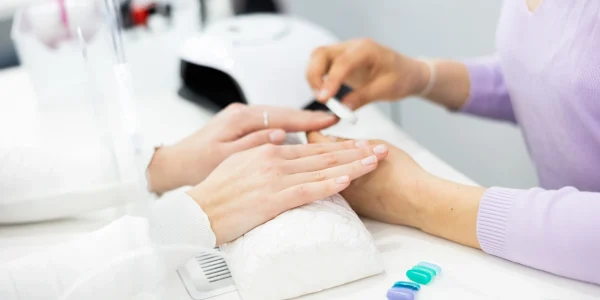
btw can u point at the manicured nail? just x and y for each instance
(380, 149)
(323, 94)
(277, 136)
(361, 143)
(369, 160)
(342, 180)
(332, 138)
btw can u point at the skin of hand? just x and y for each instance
(375, 72)
(236, 128)
(254, 186)
(401, 192)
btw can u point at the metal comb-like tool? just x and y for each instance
(207, 276)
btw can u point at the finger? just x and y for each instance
(238, 120)
(354, 170)
(368, 93)
(308, 192)
(319, 65)
(316, 137)
(291, 152)
(341, 68)
(290, 120)
(334, 159)
(255, 139)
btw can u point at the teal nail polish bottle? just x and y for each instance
(408, 285)
(437, 268)
(419, 276)
(431, 272)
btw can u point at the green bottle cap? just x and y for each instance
(408, 285)
(438, 269)
(419, 276)
(431, 271)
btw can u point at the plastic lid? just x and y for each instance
(255, 29)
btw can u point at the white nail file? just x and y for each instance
(341, 110)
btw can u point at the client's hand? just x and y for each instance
(252, 187)
(391, 193)
(237, 128)
(401, 192)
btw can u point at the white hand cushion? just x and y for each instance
(305, 250)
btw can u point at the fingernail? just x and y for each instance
(277, 136)
(342, 180)
(317, 93)
(369, 160)
(323, 94)
(361, 143)
(380, 149)
(332, 138)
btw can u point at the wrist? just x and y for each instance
(418, 194)
(162, 171)
(449, 210)
(424, 79)
(428, 202)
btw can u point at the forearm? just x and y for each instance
(474, 86)
(550, 230)
(449, 210)
(165, 170)
(451, 84)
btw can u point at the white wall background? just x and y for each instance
(490, 153)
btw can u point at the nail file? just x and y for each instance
(341, 111)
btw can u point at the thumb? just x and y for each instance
(255, 139)
(367, 93)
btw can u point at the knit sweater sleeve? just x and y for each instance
(552, 230)
(488, 95)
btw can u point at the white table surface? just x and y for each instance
(467, 273)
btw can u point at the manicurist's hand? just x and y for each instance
(401, 192)
(254, 186)
(374, 71)
(236, 128)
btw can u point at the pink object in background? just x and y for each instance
(53, 22)
(64, 15)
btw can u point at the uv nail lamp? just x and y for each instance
(253, 59)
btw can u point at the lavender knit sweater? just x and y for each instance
(546, 79)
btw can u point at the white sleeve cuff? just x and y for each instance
(146, 158)
(147, 155)
(179, 220)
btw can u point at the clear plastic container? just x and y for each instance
(77, 149)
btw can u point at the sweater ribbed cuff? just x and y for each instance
(492, 221)
(179, 220)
